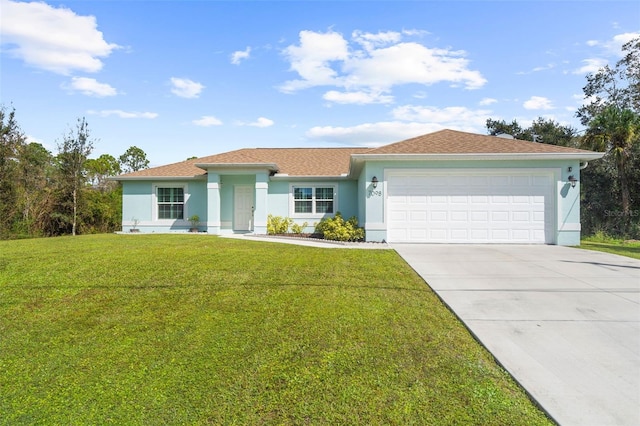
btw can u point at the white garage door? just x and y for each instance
(463, 207)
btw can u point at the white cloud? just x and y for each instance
(371, 41)
(456, 117)
(239, 55)
(592, 65)
(614, 46)
(408, 121)
(54, 39)
(185, 88)
(374, 63)
(487, 101)
(262, 122)
(407, 63)
(123, 114)
(537, 69)
(90, 87)
(360, 98)
(312, 57)
(538, 102)
(608, 48)
(371, 134)
(207, 121)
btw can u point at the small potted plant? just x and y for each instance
(134, 227)
(195, 221)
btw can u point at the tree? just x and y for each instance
(133, 159)
(616, 131)
(611, 117)
(11, 140)
(617, 86)
(541, 130)
(34, 183)
(72, 156)
(101, 168)
(495, 127)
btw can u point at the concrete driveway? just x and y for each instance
(564, 322)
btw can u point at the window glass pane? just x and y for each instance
(324, 206)
(176, 211)
(164, 211)
(178, 195)
(302, 193)
(324, 193)
(164, 195)
(303, 207)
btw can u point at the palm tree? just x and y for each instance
(616, 131)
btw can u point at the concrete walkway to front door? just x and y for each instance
(564, 322)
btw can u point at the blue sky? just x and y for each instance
(195, 78)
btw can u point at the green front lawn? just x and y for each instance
(196, 329)
(620, 247)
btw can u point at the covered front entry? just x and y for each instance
(470, 206)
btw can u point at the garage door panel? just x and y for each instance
(480, 234)
(459, 216)
(438, 216)
(459, 234)
(520, 217)
(499, 234)
(479, 216)
(437, 235)
(418, 216)
(470, 208)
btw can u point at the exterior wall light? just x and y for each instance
(573, 180)
(374, 182)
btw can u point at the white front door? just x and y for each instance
(243, 208)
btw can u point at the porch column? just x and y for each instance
(260, 212)
(213, 203)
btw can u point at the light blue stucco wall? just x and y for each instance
(139, 210)
(136, 202)
(566, 200)
(280, 200)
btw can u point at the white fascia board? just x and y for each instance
(252, 166)
(296, 178)
(583, 156)
(163, 178)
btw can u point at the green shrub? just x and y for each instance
(278, 224)
(298, 228)
(337, 229)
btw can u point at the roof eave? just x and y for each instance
(172, 178)
(284, 176)
(267, 166)
(582, 156)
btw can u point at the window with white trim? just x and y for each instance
(313, 199)
(170, 203)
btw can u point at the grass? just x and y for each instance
(192, 329)
(611, 245)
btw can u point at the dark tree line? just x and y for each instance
(46, 194)
(610, 186)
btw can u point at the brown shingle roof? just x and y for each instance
(456, 142)
(291, 161)
(336, 161)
